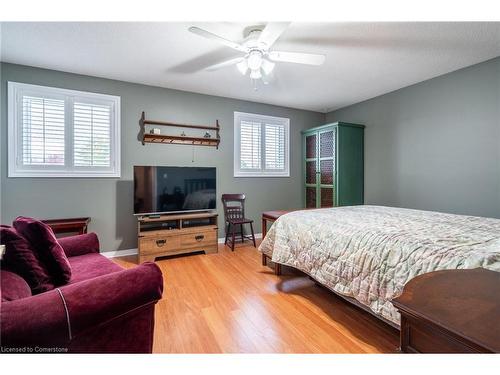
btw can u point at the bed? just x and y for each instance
(368, 253)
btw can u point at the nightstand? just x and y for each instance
(271, 216)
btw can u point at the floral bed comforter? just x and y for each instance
(370, 252)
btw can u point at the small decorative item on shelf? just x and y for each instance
(207, 135)
(183, 134)
(155, 131)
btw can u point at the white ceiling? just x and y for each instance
(363, 60)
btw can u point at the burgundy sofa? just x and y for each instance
(104, 308)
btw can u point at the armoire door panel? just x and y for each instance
(327, 144)
(311, 149)
(311, 172)
(311, 193)
(327, 197)
(326, 172)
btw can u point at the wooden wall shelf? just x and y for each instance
(179, 139)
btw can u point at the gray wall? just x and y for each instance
(434, 145)
(110, 201)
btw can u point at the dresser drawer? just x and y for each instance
(158, 244)
(199, 239)
(420, 337)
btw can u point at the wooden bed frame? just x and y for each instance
(356, 303)
(271, 216)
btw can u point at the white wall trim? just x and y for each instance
(119, 253)
(127, 252)
(221, 240)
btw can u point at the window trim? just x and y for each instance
(14, 132)
(238, 116)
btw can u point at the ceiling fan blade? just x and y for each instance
(225, 63)
(272, 32)
(297, 57)
(226, 42)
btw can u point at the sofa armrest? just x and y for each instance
(39, 320)
(80, 244)
(99, 300)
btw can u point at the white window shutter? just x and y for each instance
(261, 146)
(275, 147)
(92, 135)
(42, 131)
(54, 132)
(250, 145)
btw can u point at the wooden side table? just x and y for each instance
(71, 225)
(271, 216)
(452, 311)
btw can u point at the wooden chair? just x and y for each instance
(234, 215)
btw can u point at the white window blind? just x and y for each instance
(261, 145)
(62, 133)
(42, 131)
(275, 147)
(250, 145)
(92, 135)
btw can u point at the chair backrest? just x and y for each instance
(234, 206)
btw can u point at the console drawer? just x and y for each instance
(199, 239)
(152, 245)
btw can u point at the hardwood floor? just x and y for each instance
(229, 303)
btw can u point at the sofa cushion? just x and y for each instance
(79, 244)
(91, 265)
(22, 259)
(13, 286)
(42, 238)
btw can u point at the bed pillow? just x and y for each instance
(13, 286)
(42, 238)
(21, 258)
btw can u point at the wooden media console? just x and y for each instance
(165, 235)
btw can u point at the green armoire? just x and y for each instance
(333, 165)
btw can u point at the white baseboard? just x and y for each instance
(127, 252)
(221, 240)
(119, 253)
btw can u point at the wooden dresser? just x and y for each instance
(166, 235)
(453, 311)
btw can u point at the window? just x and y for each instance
(62, 133)
(261, 146)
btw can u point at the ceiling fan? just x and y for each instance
(258, 58)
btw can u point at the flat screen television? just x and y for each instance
(173, 189)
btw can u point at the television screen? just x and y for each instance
(173, 189)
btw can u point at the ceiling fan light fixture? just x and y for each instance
(242, 66)
(258, 58)
(267, 66)
(255, 74)
(254, 60)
